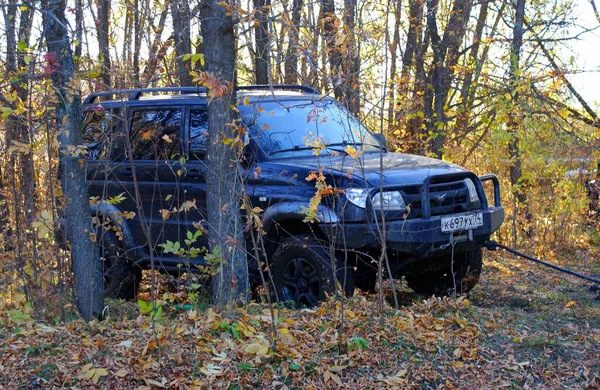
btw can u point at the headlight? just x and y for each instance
(391, 200)
(357, 196)
(473, 197)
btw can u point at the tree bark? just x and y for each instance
(20, 169)
(158, 49)
(291, 58)
(231, 283)
(330, 26)
(445, 57)
(351, 63)
(103, 31)
(261, 39)
(515, 120)
(86, 266)
(414, 53)
(180, 12)
(393, 67)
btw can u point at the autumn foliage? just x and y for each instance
(436, 78)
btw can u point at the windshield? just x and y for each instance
(293, 128)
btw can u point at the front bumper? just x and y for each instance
(415, 237)
(422, 237)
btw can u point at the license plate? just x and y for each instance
(461, 222)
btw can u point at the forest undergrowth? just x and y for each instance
(524, 326)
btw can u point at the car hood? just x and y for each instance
(398, 168)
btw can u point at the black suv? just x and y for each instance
(431, 217)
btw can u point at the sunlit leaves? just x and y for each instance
(43, 224)
(217, 87)
(93, 374)
(193, 58)
(117, 199)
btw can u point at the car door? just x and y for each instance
(152, 164)
(192, 199)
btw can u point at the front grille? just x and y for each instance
(444, 198)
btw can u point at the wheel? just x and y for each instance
(121, 278)
(440, 281)
(302, 272)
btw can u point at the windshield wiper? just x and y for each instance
(331, 146)
(346, 143)
(295, 148)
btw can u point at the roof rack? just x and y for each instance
(283, 87)
(136, 94)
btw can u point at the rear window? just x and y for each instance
(155, 134)
(99, 133)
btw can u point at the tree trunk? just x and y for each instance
(464, 115)
(231, 283)
(414, 53)
(86, 266)
(78, 27)
(103, 41)
(330, 26)
(445, 57)
(261, 38)
(515, 121)
(393, 66)
(351, 62)
(138, 28)
(20, 169)
(180, 12)
(291, 58)
(158, 49)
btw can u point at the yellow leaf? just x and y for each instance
(91, 74)
(257, 349)
(164, 214)
(336, 379)
(99, 372)
(457, 353)
(122, 373)
(570, 303)
(89, 374)
(253, 348)
(246, 101)
(211, 369)
(351, 151)
(42, 230)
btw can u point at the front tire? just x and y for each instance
(302, 272)
(121, 278)
(440, 280)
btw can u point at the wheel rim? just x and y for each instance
(301, 283)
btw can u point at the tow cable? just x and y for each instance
(493, 245)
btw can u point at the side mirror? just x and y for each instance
(381, 138)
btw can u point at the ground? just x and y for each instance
(524, 326)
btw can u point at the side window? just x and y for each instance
(155, 134)
(99, 133)
(198, 134)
